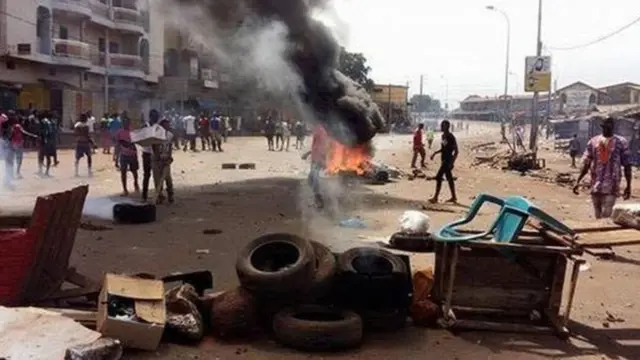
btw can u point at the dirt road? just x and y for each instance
(246, 203)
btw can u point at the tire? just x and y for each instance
(126, 213)
(247, 166)
(317, 328)
(382, 262)
(412, 242)
(383, 320)
(276, 264)
(228, 166)
(326, 269)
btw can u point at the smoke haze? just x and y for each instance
(291, 55)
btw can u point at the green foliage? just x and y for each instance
(354, 65)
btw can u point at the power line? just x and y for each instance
(598, 40)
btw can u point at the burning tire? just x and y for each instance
(317, 328)
(371, 262)
(126, 213)
(276, 264)
(326, 269)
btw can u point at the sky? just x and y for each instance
(459, 45)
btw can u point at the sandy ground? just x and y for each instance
(244, 204)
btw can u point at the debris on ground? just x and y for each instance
(412, 222)
(233, 314)
(101, 349)
(212, 231)
(353, 223)
(89, 226)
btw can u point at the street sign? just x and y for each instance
(537, 74)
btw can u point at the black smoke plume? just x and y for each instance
(312, 52)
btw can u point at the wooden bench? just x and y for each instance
(45, 241)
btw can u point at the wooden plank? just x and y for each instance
(605, 239)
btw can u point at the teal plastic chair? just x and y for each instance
(513, 215)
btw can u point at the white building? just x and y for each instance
(71, 56)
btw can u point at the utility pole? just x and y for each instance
(421, 84)
(533, 139)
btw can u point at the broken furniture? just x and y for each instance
(505, 278)
(34, 257)
(515, 212)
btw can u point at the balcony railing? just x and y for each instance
(76, 6)
(99, 8)
(127, 16)
(125, 61)
(71, 49)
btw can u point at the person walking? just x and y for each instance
(16, 137)
(605, 157)
(115, 124)
(279, 135)
(269, 132)
(216, 130)
(574, 149)
(448, 155)
(430, 137)
(84, 143)
(286, 136)
(299, 132)
(190, 131)
(204, 128)
(418, 147)
(47, 145)
(318, 152)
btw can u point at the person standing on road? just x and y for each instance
(418, 147)
(216, 129)
(115, 124)
(299, 132)
(574, 149)
(162, 160)
(604, 157)
(430, 137)
(318, 152)
(128, 157)
(16, 142)
(204, 128)
(279, 133)
(269, 132)
(448, 155)
(286, 136)
(91, 122)
(190, 130)
(84, 143)
(47, 145)
(147, 166)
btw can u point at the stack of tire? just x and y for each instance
(295, 283)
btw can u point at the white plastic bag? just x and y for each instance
(414, 222)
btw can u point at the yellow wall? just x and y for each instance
(398, 93)
(35, 95)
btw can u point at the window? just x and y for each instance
(64, 32)
(102, 45)
(114, 47)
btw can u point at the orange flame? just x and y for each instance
(342, 158)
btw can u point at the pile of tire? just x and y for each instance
(296, 285)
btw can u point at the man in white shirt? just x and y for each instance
(189, 122)
(91, 121)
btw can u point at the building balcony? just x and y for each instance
(130, 20)
(71, 53)
(126, 65)
(72, 7)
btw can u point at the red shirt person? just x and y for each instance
(418, 147)
(318, 152)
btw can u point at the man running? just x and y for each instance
(448, 155)
(605, 156)
(84, 143)
(128, 157)
(418, 147)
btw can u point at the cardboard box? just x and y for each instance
(148, 297)
(150, 135)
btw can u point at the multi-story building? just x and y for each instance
(71, 56)
(492, 108)
(192, 79)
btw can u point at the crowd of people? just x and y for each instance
(279, 132)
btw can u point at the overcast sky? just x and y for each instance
(463, 42)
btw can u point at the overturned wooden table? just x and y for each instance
(516, 287)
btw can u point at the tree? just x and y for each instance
(425, 103)
(354, 65)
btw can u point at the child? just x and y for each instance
(161, 161)
(128, 156)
